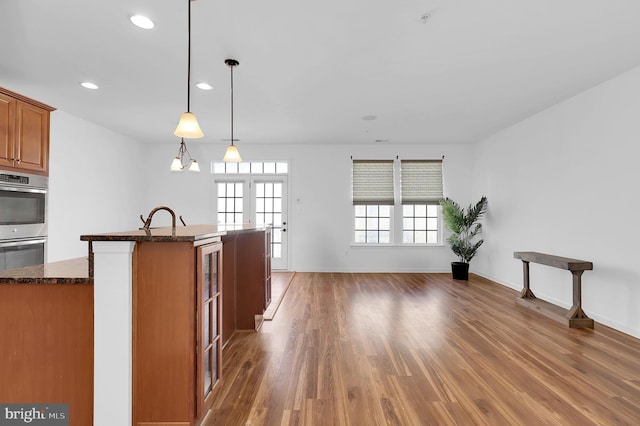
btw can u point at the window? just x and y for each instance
(373, 195)
(256, 167)
(419, 223)
(373, 224)
(421, 189)
(418, 190)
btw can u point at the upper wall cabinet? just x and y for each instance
(24, 134)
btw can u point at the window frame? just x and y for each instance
(397, 218)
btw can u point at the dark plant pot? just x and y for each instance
(460, 270)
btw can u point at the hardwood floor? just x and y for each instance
(279, 285)
(422, 349)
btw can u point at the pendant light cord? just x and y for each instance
(189, 60)
(232, 105)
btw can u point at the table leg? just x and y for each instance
(526, 292)
(576, 310)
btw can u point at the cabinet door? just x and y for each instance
(7, 124)
(32, 136)
(209, 311)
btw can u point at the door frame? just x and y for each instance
(249, 206)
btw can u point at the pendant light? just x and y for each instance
(232, 155)
(178, 164)
(188, 126)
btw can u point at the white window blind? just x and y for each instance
(421, 181)
(373, 182)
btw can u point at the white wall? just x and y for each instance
(320, 213)
(93, 184)
(565, 182)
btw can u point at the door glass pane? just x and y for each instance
(207, 372)
(214, 355)
(206, 285)
(206, 319)
(215, 327)
(230, 202)
(214, 270)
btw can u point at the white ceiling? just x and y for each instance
(309, 71)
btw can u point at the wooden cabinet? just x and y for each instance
(24, 133)
(177, 358)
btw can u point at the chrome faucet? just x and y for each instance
(147, 223)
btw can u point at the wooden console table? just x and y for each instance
(574, 317)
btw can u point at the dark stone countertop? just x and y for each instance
(72, 271)
(177, 234)
(80, 271)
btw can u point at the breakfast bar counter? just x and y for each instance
(72, 271)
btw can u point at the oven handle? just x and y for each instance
(23, 242)
(21, 189)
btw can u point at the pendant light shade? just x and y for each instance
(232, 155)
(188, 126)
(194, 167)
(176, 165)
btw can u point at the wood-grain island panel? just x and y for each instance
(165, 329)
(46, 346)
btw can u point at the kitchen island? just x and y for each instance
(133, 333)
(166, 301)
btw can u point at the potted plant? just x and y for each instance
(464, 227)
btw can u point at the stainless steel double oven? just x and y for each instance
(23, 219)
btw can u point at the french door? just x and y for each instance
(258, 200)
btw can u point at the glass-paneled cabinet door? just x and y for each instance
(209, 349)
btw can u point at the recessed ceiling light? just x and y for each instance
(204, 86)
(369, 117)
(381, 140)
(89, 85)
(142, 21)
